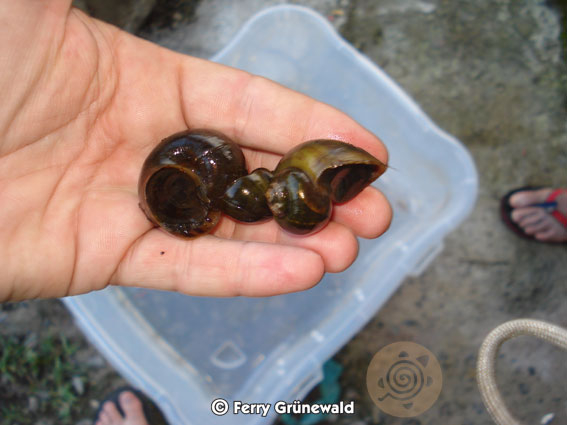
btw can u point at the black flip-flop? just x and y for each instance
(153, 415)
(506, 212)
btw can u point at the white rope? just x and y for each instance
(485, 375)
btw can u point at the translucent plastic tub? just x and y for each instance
(184, 352)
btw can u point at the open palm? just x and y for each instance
(83, 105)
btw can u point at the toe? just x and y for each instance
(528, 197)
(132, 407)
(531, 217)
(111, 413)
(521, 215)
(545, 234)
(536, 223)
(535, 228)
(103, 419)
(551, 232)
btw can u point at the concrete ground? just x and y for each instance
(493, 74)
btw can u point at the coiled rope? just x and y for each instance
(485, 375)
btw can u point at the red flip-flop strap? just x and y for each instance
(555, 194)
(562, 218)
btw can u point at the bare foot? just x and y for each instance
(537, 221)
(131, 406)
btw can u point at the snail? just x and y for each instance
(191, 177)
(312, 176)
(184, 178)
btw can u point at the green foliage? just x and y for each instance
(42, 371)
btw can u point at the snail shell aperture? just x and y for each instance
(191, 177)
(184, 178)
(312, 176)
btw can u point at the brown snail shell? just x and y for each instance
(298, 205)
(245, 200)
(184, 178)
(313, 175)
(191, 177)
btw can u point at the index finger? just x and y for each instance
(261, 114)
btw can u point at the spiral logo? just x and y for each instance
(219, 406)
(404, 379)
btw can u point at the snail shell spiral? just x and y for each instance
(184, 178)
(193, 176)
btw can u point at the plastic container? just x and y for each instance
(184, 352)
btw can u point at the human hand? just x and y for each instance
(83, 105)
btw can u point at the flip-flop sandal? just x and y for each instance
(153, 415)
(549, 205)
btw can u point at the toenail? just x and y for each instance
(517, 200)
(127, 398)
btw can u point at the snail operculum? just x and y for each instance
(183, 179)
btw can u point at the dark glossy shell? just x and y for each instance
(312, 176)
(184, 178)
(245, 200)
(342, 168)
(191, 177)
(298, 205)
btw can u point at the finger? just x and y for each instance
(261, 114)
(217, 267)
(335, 243)
(368, 215)
(256, 159)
